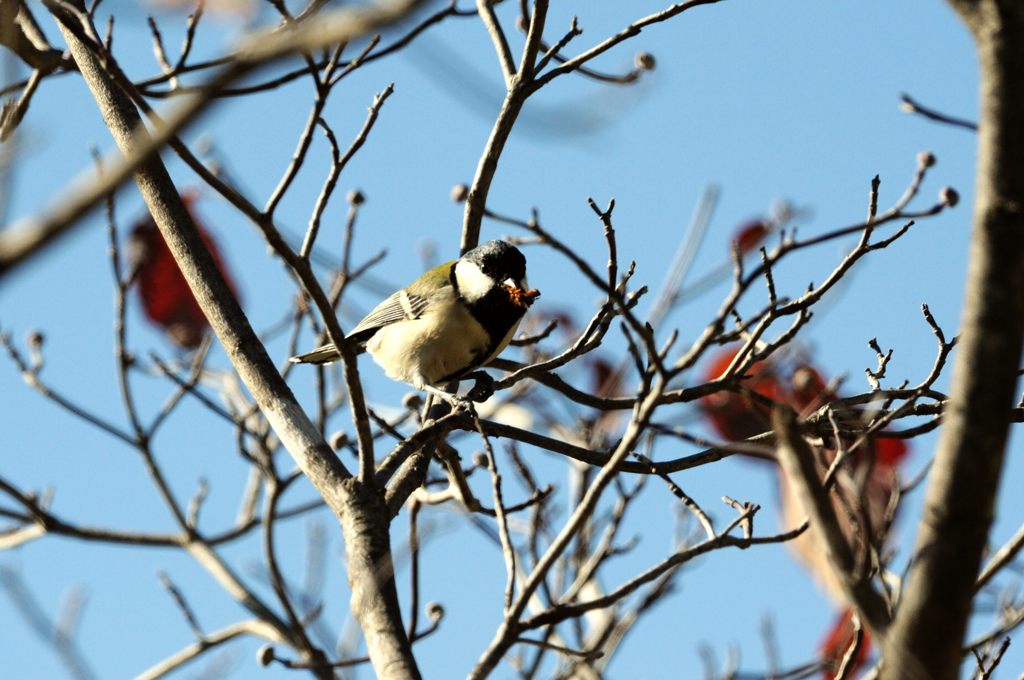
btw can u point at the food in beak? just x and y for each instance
(523, 298)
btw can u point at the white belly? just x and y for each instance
(426, 350)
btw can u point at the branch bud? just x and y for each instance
(925, 159)
(265, 655)
(355, 197)
(435, 610)
(339, 440)
(35, 340)
(460, 192)
(949, 196)
(644, 61)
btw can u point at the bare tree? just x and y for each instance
(611, 419)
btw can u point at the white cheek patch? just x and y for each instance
(473, 283)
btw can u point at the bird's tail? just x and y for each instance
(321, 355)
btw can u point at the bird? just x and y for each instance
(447, 323)
(167, 300)
(737, 416)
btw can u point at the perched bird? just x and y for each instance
(448, 322)
(873, 471)
(167, 300)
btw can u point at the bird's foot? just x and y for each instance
(482, 390)
(453, 400)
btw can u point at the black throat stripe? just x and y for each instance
(497, 313)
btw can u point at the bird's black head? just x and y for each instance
(500, 261)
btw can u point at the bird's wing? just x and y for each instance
(401, 306)
(406, 304)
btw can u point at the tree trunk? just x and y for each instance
(926, 638)
(371, 578)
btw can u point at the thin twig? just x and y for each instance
(910, 105)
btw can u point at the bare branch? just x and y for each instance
(796, 459)
(1001, 557)
(183, 606)
(629, 32)
(508, 68)
(339, 165)
(25, 603)
(253, 627)
(28, 236)
(910, 105)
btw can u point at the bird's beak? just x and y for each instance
(520, 296)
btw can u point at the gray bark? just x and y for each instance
(928, 631)
(361, 510)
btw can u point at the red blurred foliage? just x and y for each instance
(890, 452)
(838, 642)
(750, 234)
(167, 300)
(738, 415)
(604, 381)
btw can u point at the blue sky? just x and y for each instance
(773, 100)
